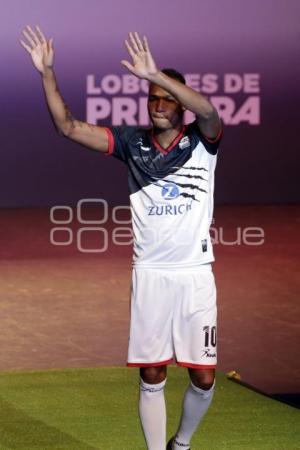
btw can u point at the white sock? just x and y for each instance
(195, 404)
(152, 410)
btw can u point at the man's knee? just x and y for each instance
(153, 375)
(202, 378)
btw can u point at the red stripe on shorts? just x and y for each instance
(155, 364)
(196, 366)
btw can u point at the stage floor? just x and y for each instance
(60, 307)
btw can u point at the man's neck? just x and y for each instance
(166, 137)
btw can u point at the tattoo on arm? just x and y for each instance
(69, 116)
(75, 122)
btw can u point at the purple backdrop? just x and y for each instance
(257, 163)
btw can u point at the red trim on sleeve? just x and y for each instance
(111, 142)
(196, 366)
(155, 364)
(212, 141)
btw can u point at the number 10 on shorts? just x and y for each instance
(210, 336)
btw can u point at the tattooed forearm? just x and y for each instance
(69, 116)
(61, 115)
(74, 122)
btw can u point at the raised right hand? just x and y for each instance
(143, 64)
(40, 50)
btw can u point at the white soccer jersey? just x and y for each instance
(171, 195)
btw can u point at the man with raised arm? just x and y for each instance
(171, 181)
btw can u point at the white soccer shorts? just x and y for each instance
(173, 316)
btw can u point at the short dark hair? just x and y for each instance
(172, 73)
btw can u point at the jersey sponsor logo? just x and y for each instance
(172, 210)
(170, 191)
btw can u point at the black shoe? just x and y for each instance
(170, 444)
